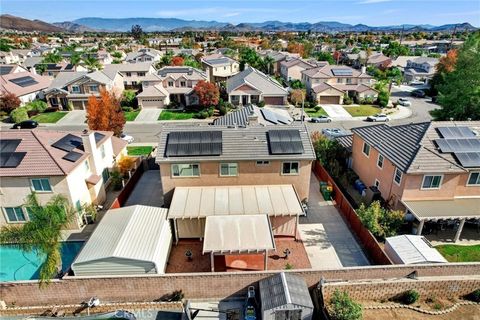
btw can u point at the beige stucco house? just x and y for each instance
(219, 67)
(27, 86)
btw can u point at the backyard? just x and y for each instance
(456, 253)
(139, 150)
(49, 117)
(176, 115)
(131, 115)
(362, 110)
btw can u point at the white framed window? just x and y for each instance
(377, 183)
(170, 83)
(474, 179)
(398, 176)
(141, 74)
(290, 168)
(185, 170)
(366, 149)
(134, 83)
(93, 88)
(128, 74)
(432, 181)
(229, 169)
(75, 89)
(41, 185)
(263, 163)
(15, 214)
(183, 84)
(102, 151)
(380, 161)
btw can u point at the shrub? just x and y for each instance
(129, 99)
(383, 98)
(223, 110)
(116, 180)
(342, 307)
(317, 108)
(9, 102)
(19, 115)
(261, 104)
(127, 109)
(202, 115)
(380, 221)
(347, 100)
(37, 105)
(410, 296)
(210, 111)
(474, 296)
(288, 266)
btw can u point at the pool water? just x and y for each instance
(18, 265)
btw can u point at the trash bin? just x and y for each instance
(326, 190)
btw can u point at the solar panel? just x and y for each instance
(458, 145)
(68, 143)
(456, 132)
(468, 159)
(342, 72)
(72, 156)
(269, 116)
(5, 70)
(285, 142)
(11, 159)
(191, 143)
(9, 145)
(24, 81)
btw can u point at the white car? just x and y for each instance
(334, 132)
(404, 102)
(127, 138)
(379, 117)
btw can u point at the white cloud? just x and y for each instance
(373, 1)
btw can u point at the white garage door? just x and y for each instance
(152, 103)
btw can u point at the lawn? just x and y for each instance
(312, 113)
(139, 150)
(131, 115)
(176, 115)
(363, 110)
(454, 253)
(49, 117)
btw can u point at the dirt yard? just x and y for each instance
(470, 312)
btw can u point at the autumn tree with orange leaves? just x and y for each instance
(177, 61)
(207, 92)
(105, 114)
(445, 65)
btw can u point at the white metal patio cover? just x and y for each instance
(444, 209)
(201, 202)
(238, 234)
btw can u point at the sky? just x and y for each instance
(370, 12)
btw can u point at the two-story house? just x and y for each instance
(328, 84)
(133, 73)
(171, 84)
(27, 86)
(219, 67)
(277, 58)
(74, 165)
(430, 170)
(144, 55)
(75, 88)
(292, 69)
(420, 69)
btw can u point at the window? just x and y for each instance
(377, 183)
(263, 163)
(349, 80)
(185, 170)
(134, 83)
(41, 185)
(183, 84)
(170, 83)
(366, 149)
(290, 168)
(102, 150)
(93, 88)
(128, 74)
(398, 176)
(15, 214)
(339, 80)
(75, 89)
(105, 175)
(380, 161)
(125, 83)
(228, 169)
(141, 74)
(474, 179)
(431, 182)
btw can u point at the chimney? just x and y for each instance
(364, 69)
(90, 146)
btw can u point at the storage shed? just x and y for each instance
(129, 240)
(285, 296)
(410, 249)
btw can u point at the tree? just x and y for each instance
(380, 221)
(177, 61)
(296, 84)
(42, 233)
(297, 96)
(125, 164)
(207, 92)
(5, 45)
(445, 65)
(75, 58)
(104, 113)
(267, 64)
(250, 57)
(337, 55)
(137, 32)
(91, 63)
(330, 153)
(395, 49)
(8, 102)
(325, 56)
(129, 99)
(295, 47)
(52, 57)
(342, 307)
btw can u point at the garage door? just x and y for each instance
(278, 101)
(329, 100)
(77, 105)
(152, 103)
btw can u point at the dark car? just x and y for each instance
(27, 124)
(418, 93)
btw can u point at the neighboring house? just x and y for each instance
(133, 73)
(401, 62)
(252, 115)
(278, 57)
(52, 162)
(31, 62)
(171, 84)
(22, 54)
(328, 84)
(25, 85)
(53, 69)
(420, 69)
(434, 174)
(379, 60)
(11, 68)
(292, 69)
(144, 55)
(252, 86)
(74, 88)
(220, 68)
(103, 56)
(9, 57)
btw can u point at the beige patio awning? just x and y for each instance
(201, 202)
(445, 209)
(238, 234)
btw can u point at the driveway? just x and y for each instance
(336, 111)
(327, 239)
(74, 117)
(148, 115)
(148, 191)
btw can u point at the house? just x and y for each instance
(433, 175)
(420, 69)
(25, 85)
(74, 88)
(11, 68)
(411, 249)
(144, 55)
(219, 68)
(379, 60)
(171, 84)
(252, 86)
(53, 69)
(277, 58)
(251, 115)
(22, 54)
(292, 69)
(75, 165)
(103, 56)
(133, 73)
(328, 84)
(9, 57)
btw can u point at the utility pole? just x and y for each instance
(401, 34)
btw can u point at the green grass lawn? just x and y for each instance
(312, 113)
(363, 110)
(454, 253)
(49, 117)
(131, 115)
(139, 150)
(176, 115)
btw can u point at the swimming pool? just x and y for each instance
(18, 265)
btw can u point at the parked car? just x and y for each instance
(418, 93)
(321, 119)
(299, 118)
(379, 117)
(417, 83)
(127, 138)
(27, 124)
(404, 102)
(334, 132)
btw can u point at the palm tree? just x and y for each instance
(75, 58)
(268, 64)
(42, 233)
(91, 63)
(52, 57)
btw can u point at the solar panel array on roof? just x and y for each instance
(191, 143)
(273, 117)
(456, 132)
(9, 145)
(458, 145)
(11, 159)
(468, 159)
(24, 81)
(5, 70)
(463, 143)
(72, 156)
(285, 142)
(342, 72)
(68, 143)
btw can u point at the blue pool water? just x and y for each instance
(18, 265)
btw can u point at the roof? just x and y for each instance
(282, 289)
(346, 141)
(132, 233)
(429, 60)
(218, 60)
(129, 67)
(326, 72)
(36, 83)
(243, 116)
(256, 79)
(153, 91)
(200, 202)
(294, 62)
(178, 72)
(414, 249)
(63, 79)
(248, 143)
(325, 86)
(378, 58)
(237, 234)
(458, 208)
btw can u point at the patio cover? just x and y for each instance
(238, 234)
(445, 209)
(201, 202)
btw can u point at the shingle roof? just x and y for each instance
(178, 72)
(242, 116)
(252, 77)
(129, 67)
(7, 85)
(294, 62)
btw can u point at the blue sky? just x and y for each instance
(371, 12)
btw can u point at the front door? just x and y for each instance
(244, 100)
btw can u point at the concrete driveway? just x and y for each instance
(148, 191)
(336, 111)
(327, 239)
(148, 115)
(74, 117)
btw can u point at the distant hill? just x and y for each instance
(73, 27)
(16, 23)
